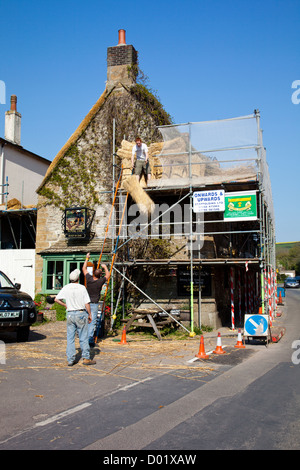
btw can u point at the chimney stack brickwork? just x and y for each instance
(119, 59)
(13, 123)
(121, 55)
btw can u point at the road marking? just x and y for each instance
(63, 414)
(72, 410)
(133, 384)
(85, 405)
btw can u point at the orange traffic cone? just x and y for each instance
(123, 339)
(219, 349)
(201, 354)
(280, 299)
(239, 343)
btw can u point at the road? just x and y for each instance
(163, 402)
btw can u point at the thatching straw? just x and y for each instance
(144, 202)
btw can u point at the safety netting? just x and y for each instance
(213, 152)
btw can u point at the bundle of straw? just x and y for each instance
(144, 202)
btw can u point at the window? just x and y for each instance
(54, 276)
(56, 271)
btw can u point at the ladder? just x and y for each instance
(100, 314)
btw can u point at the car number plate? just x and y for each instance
(9, 314)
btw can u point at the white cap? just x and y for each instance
(74, 275)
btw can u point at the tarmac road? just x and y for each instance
(153, 395)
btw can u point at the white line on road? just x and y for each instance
(133, 384)
(63, 414)
(85, 405)
(73, 410)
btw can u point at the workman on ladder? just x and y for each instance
(142, 159)
(94, 283)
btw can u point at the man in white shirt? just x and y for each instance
(142, 159)
(77, 303)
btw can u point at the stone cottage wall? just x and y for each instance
(48, 230)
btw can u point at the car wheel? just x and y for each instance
(23, 333)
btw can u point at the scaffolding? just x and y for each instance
(17, 223)
(214, 159)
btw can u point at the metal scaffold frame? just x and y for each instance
(264, 262)
(20, 221)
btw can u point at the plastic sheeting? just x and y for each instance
(214, 152)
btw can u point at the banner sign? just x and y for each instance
(209, 201)
(240, 206)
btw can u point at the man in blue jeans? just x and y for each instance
(77, 303)
(94, 283)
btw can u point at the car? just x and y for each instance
(291, 282)
(17, 309)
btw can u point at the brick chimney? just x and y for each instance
(120, 59)
(13, 123)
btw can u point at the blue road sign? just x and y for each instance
(256, 325)
(282, 290)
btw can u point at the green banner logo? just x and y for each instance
(240, 206)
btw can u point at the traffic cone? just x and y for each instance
(201, 354)
(239, 343)
(123, 339)
(219, 349)
(280, 299)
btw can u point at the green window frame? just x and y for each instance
(57, 268)
(54, 275)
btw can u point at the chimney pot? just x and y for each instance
(13, 103)
(122, 39)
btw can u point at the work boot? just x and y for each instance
(88, 362)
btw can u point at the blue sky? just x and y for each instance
(206, 59)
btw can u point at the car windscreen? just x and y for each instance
(5, 282)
